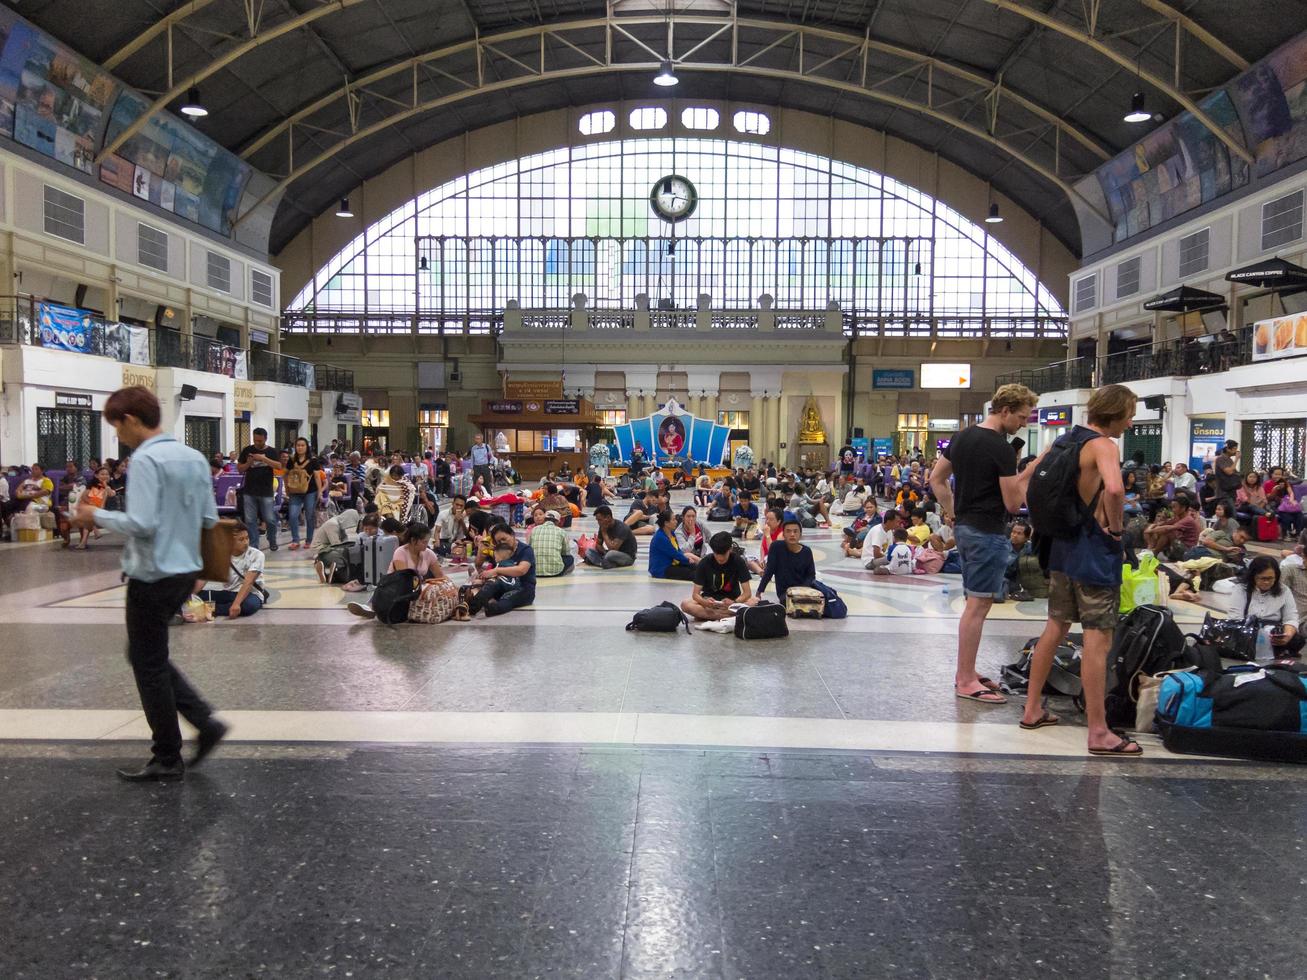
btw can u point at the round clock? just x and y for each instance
(673, 198)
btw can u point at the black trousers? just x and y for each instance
(164, 691)
(679, 573)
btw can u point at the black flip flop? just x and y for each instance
(979, 694)
(1045, 720)
(1120, 750)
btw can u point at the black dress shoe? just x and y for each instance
(154, 772)
(208, 739)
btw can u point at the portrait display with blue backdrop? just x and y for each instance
(671, 435)
(64, 328)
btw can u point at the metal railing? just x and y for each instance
(20, 324)
(326, 377)
(1183, 358)
(265, 365)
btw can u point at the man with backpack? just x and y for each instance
(983, 465)
(1077, 501)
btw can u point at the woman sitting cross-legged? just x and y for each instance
(243, 594)
(1259, 592)
(438, 596)
(666, 559)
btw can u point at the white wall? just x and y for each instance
(32, 376)
(274, 401)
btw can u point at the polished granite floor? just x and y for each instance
(413, 861)
(547, 795)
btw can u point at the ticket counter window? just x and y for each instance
(66, 433)
(914, 433)
(738, 423)
(376, 429)
(433, 424)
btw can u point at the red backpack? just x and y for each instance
(1268, 528)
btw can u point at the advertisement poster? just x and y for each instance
(894, 379)
(51, 98)
(1281, 336)
(882, 447)
(64, 328)
(861, 447)
(1206, 437)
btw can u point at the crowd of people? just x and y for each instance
(360, 518)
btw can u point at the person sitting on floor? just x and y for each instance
(452, 526)
(772, 527)
(851, 505)
(689, 533)
(1180, 533)
(790, 563)
(900, 558)
(511, 583)
(644, 512)
(666, 559)
(918, 530)
(1259, 592)
(720, 581)
(856, 533)
(243, 594)
(553, 549)
(332, 541)
(614, 546)
(880, 539)
(413, 554)
(745, 515)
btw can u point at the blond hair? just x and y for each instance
(1111, 403)
(1013, 397)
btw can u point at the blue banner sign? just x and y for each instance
(893, 378)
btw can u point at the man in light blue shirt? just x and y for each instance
(170, 500)
(482, 457)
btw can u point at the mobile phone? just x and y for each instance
(1018, 444)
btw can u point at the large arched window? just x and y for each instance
(803, 228)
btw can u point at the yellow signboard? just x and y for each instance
(136, 375)
(533, 390)
(243, 396)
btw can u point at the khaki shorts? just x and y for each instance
(1095, 607)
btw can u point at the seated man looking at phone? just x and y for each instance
(720, 581)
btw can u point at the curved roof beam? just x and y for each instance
(1132, 65)
(1200, 33)
(860, 46)
(260, 38)
(153, 31)
(366, 132)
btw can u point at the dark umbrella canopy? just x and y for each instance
(1185, 299)
(1274, 273)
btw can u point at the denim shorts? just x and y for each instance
(984, 561)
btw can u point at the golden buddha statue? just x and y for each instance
(810, 428)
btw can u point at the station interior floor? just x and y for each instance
(548, 795)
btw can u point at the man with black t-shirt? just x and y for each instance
(719, 582)
(1227, 472)
(983, 466)
(256, 462)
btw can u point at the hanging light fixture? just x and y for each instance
(993, 218)
(422, 263)
(666, 76)
(192, 106)
(1137, 113)
(916, 269)
(343, 211)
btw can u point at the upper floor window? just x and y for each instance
(261, 287)
(152, 247)
(699, 117)
(648, 117)
(1193, 253)
(65, 215)
(753, 123)
(596, 123)
(218, 272)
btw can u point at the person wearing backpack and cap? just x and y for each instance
(983, 464)
(1085, 555)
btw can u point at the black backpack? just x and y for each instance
(666, 617)
(391, 598)
(765, 621)
(1053, 495)
(1147, 642)
(1063, 679)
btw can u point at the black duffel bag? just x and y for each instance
(765, 621)
(666, 617)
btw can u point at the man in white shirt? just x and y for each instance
(243, 594)
(880, 539)
(1182, 478)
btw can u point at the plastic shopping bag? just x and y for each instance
(1139, 586)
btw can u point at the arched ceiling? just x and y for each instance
(322, 94)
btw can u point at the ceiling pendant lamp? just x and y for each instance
(192, 106)
(343, 211)
(666, 76)
(1137, 113)
(422, 264)
(993, 218)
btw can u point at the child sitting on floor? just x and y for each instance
(900, 558)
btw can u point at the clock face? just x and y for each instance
(673, 198)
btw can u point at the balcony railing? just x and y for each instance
(265, 365)
(1182, 358)
(20, 325)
